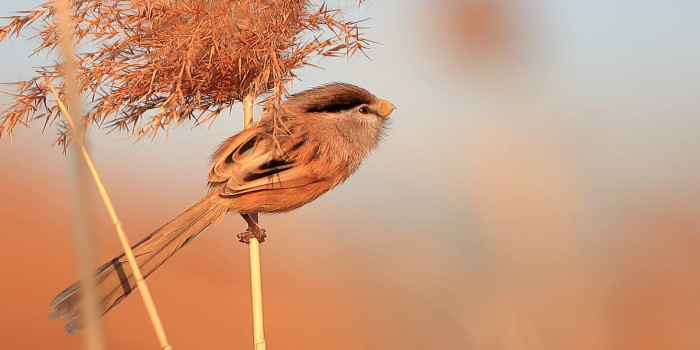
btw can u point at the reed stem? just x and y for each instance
(254, 252)
(80, 193)
(140, 282)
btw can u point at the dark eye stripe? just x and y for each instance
(337, 105)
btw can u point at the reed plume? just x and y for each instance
(147, 65)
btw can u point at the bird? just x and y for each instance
(318, 138)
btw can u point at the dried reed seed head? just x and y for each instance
(149, 64)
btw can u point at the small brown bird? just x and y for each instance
(327, 132)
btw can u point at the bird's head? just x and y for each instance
(340, 100)
(347, 116)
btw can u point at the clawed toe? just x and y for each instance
(245, 237)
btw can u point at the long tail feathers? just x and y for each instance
(115, 280)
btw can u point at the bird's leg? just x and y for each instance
(253, 231)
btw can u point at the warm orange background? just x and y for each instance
(538, 189)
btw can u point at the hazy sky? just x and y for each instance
(485, 168)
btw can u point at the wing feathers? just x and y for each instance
(251, 162)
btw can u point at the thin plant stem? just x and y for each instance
(140, 282)
(248, 111)
(254, 252)
(80, 193)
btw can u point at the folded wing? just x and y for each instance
(252, 161)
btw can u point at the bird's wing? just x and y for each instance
(251, 162)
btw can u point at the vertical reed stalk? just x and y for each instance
(80, 193)
(254, 252)
(140, 282)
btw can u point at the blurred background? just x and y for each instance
(539, 189)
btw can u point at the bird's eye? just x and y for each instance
(364, 110)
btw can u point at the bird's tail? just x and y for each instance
(115, 279)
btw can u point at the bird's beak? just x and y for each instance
(385, 108)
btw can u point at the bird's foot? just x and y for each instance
(245, 237)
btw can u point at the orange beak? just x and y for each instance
(385, 108)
